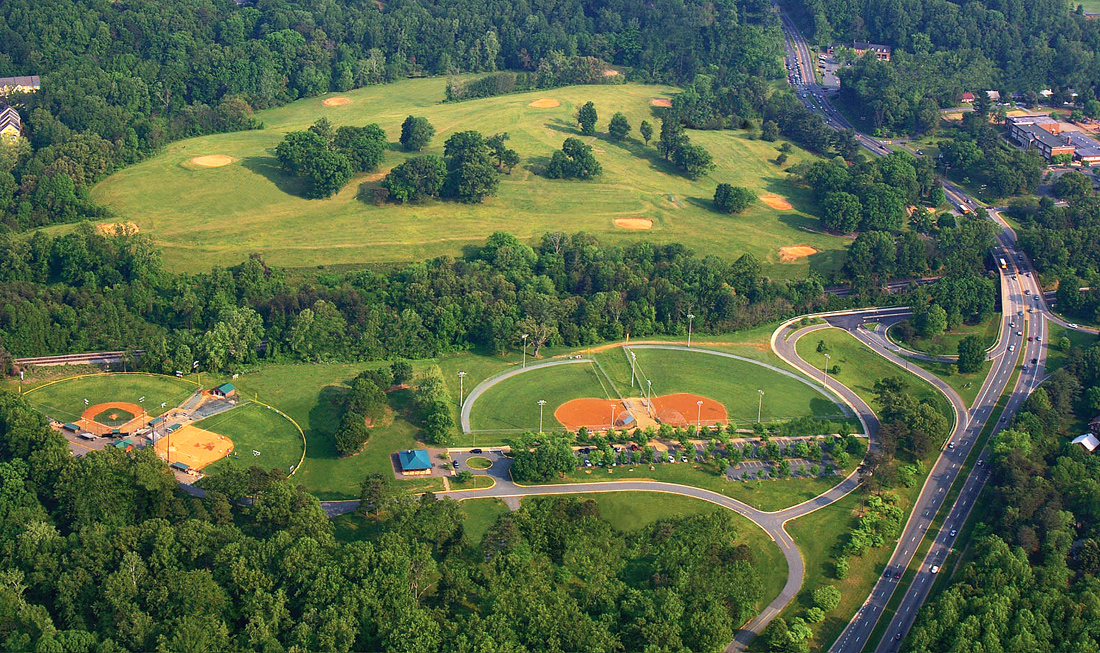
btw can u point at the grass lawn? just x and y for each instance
(511, 404)
(481, 514)
(478, 462)
(860, 368)
(631, 511)
(948, 343)
(253, 427)
(733, 383)
(308, 393)
(1056, 358)
(63, 400)
(218, 216)
(767, 495)
(967, 385)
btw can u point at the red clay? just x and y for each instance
(87, 418)
(589, 412)
(678, 409)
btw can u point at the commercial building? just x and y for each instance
(881, 51)
(1086, 148)
(1045, 134)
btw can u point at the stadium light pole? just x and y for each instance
(541, 403)
(691, 317)
(612, 425)
(699, 417)
(525, 349)
(633, 360)
(759, 406)
(461, 378)
(649, 396)
(825, 372)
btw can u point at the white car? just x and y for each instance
(935, 569)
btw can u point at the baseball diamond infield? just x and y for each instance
(102, 419)
(678, 409)
(194, 447)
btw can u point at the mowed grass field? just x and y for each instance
(512, 403)
(217, 216)
(64, 400)
(253, 427)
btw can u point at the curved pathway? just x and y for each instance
(479, 389)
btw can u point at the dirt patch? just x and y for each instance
(683, 408)
(544, 103)
(611, 72)
(595, 414)
(117, 228)
(87, 421)
(335, 101)
(660, 102)
(634, 223)
(378, 176)
(212, 161)
(194, 447)
(795, 252)
(777, 202)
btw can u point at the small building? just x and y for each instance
(1088, 441)
(22, 84)
(69, 426)
(156, 420)
(881, 51)
(968, 97)
(183, 467)
(88, 436)
(414, 462)
(225, 390)
(11, 125)
(994, 96)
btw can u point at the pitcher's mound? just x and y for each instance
(777, 202)
(212, 161)
(634, 223)
(544, 103)
(661, 102)
(336, 101)
(792, 254)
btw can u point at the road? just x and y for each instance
(1019, 293)
(90, 358)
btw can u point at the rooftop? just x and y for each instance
(1084, 144)
(25, 80)
(874, 47)
(1088, 441)
(226, 388)
(1043, 136)
(414, 459)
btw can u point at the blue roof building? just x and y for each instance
(415, 462)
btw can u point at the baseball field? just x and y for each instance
(260, 437)
(64, 400)
(230, 198)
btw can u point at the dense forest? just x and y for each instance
(120, 80)
(101, 553)
(85, 291)
(1028, 579)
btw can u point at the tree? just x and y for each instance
(573, 161)
(732, 199)
(841, 212)
(416, 133)
(933, 322)
(506, 158)
(971, 354)
(402, 371)
(826, 597)
(694, 159)
(672, 137)
(363, 146)
(376, 491)
(587, 117)
(352, 434)
(471, 176)
(646, 131)
(326, 172)
(769, 131)
(618, 128)
(417, 179)
(1072, 185)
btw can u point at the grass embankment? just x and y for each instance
(1056, 358)
(260, 437)
(210, 222)
(63, 399)
(948, 343)
(966, 385)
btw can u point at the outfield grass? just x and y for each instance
(63, 400)
(252, 428)
(948, 343)
(511, 404)
(731, 382)
(218, 216)
(860, 368)
(631, 511)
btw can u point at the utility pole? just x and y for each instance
(690, 318)
(825, 371)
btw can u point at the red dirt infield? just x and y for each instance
(87, 418)
(677, 410)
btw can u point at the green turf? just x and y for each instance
(64, 400)
(253, 427)
(731, 382)
(1056, 358)
(114, 417)
(948, 343)
(511, 404)
(481, 514)
(478, 462)
(631, 511)
(967, 385)
(218, 216)
(860, 368)
(308, 393)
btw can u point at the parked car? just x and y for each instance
(475, 450)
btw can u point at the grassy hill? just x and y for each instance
(217, 216)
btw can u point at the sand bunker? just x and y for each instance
(544, 103)
(336, 101)
(792, 254)
(661, 102)
(634, 223)
(611, 72)
(777, 202)
(117, 228)
(212, 161)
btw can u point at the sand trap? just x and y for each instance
(116, 228)
(336, 101)
(212, 161)
(634, 223)
(793, 253)
(544, 103)
(611, 72)
(777, 202)
(661, 102)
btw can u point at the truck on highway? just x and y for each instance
(1004, 266)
